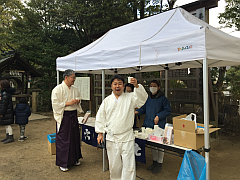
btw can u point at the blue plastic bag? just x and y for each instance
(193, 167)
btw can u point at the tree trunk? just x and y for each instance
(135, 11)
(142, 5)
(161, 6)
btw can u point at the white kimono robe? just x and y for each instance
(116, 116)
(60, 95)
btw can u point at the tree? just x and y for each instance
(231, 17)
(171, 3)
(218, 77)
(233, 80)
(9, 10)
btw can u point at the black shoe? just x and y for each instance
(157, 168)
(25, 137)
(152, 166)
(21, 139)
(7, 136)
(9, 140)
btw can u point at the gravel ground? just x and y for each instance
(31, 160)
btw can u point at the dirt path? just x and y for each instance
(31, 160)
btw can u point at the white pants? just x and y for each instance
(121, 160)
(9, 130)
(158, 155)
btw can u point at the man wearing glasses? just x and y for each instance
(65, 103)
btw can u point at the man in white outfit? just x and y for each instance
(116, 117)
(66, 102)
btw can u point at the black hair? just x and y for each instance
(118, 77)
(129, 85)
(68, 73)
(4, 84)
(155, 81)
(23, 100)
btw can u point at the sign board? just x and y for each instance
(83, 85)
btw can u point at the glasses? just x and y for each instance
(73, 77)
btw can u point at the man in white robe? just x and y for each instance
(116, 117)
(65, 103)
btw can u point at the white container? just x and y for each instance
(129, 78)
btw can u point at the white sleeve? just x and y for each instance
(57, 105)
(139, 96)
(100, 119)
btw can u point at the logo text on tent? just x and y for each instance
(186, 47)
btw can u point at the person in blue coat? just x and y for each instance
(157, 108)
(22, 112)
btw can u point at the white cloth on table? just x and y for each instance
(62, 94)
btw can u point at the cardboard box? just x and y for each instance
(185, 135)
(52, 148)
(51, 143)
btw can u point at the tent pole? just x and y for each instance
(57, 77)
(103, 96)
(206, 116)
(166, 83)
(103, 84)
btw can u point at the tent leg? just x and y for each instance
(166, 83)
(103, 96)
(206, 116)
(57, 77)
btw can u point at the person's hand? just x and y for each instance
(1, 116)
(72, 102)
(156, 119)
(100, 138)
(78, 101)
(134, 82)
(136, 112)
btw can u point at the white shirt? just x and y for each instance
(116, 117)
(62, 94)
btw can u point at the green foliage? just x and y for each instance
(231, 16)
(177, 84)
(9, 10)
(154, 74)
(43, 30)
(44, 101)
(233, 80)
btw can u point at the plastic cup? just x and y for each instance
(129, 78)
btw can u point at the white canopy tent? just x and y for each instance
(175, 38)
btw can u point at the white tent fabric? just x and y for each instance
(151, 43)
(166, 38)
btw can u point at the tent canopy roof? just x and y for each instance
(151, 43)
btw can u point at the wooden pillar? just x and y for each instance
(34, 102)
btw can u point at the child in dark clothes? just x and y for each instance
(22, 112)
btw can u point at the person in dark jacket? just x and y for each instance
(157, 108)
(128, 89)
(6, 110)
(22, 112)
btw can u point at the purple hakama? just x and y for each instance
(68, 150)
